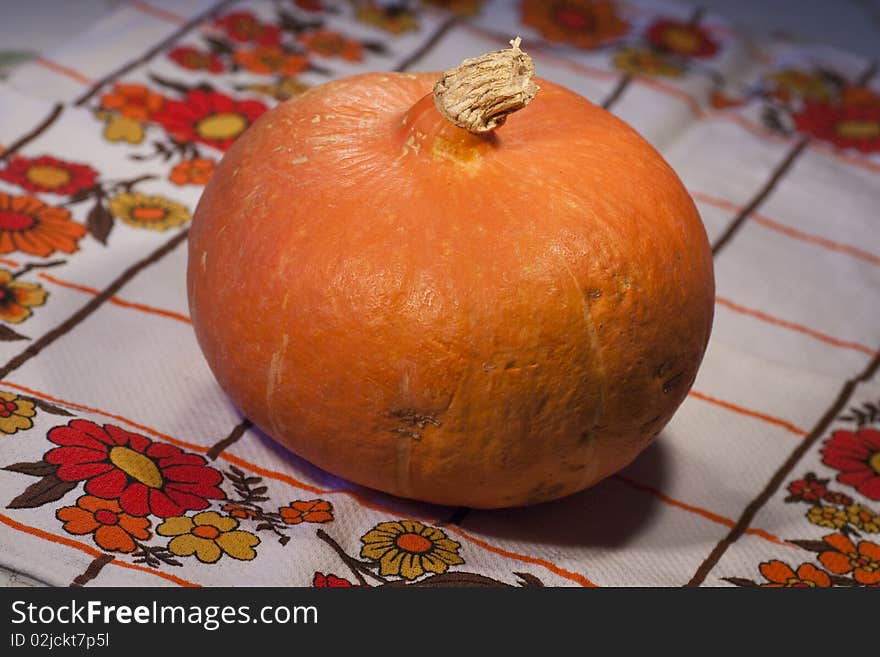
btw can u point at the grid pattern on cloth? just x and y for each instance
(769, 474)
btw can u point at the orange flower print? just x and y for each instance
(30, 226)
(134, 101)
(271, 60)
(111, 528)
(780, 575)
(863, 561)
(197, 171)
(581, 23)
(17, 298)
(307, 511)
(332, 44)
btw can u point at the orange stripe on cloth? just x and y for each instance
(794, 327)
(271, 474)
(788, 426)
(803, 236)
(9, 263)
(705, 513)
(63, 70)
(158, 12)
(88, 549)
(116, 300)
(553, 568)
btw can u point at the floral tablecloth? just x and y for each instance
(122, 462)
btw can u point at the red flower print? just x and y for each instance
(46, 174)
(809, 488)
(844, 557)
(310, 5)
(30, 226)
(243, 26)
(857, 456)
(848, 125)
(306, 511)
(144, 476)
(330, 581)
(681, 38)
(208, 117)
(780, 575)
(833, 497)
(196, 60)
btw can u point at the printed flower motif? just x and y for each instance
(844, 558)
(643, 61)
(846, 126)
(47, 174)
(780, 575)
(243, 26)
(144, 476)
(809, 489)
(15, 413)
(134, 101)
(306, 511)
(833, 497)
(332, 44)
(861, 517)
(856, 455)
(331, 581)
(30, 226)
(122, 128)
(208, 117)
(196, 60)
(280, 90)
(791, 82)
(395, 19)
(112, 529)
(152, 212)
(271, 59)
(581, 23)
(209, 536)
(238, 511)
(310, 5)
(408, 548)
(460, 7)
(17, 299)
(681, 38)
(197, 171)
(827, 516)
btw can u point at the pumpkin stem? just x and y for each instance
(480, 93)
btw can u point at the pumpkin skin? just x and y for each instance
(473, 321)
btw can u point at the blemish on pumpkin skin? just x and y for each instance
(316, 118)
(299, 160)
(204, 260)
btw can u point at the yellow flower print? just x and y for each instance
(15, 413)
(408, 548)
(208, 535)
(863, 518)
(152, 212)
(123, 128)
(827, 516)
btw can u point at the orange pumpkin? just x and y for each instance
(460, 315)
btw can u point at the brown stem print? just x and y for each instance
(92, 571)
(33, 134)
(233, 437)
